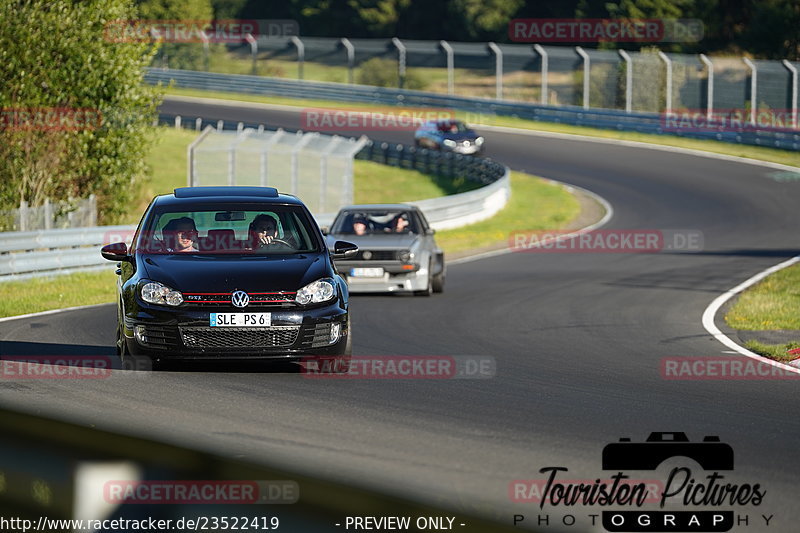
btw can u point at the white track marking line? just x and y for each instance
(719, 301)
(52, 312)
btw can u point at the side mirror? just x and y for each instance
(430, 231)
(344, 249)
(115, 252)
(324, 229)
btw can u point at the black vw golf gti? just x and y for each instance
(231, 272)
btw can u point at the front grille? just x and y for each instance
(376, 255)
(271, 337)
(257, 299)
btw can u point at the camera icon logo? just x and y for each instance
(711, 454)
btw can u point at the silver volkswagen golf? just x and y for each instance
(397, 250)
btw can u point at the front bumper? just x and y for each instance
(394, 279)
(185, 333)
(460, 148)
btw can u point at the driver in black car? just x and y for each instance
(264, 232)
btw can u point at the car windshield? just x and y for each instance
(229, 229)
(453, 127)
(385, 222)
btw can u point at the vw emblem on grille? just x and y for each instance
(367, 254)
(240, 299)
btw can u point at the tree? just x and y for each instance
(76, 114)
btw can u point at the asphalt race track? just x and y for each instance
(578, 340)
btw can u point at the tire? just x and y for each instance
(429, 290)
(438, 282)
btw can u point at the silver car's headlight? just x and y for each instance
(450, 142)
(318, 291)
(405, 256)
(479, 141)
(157, 293)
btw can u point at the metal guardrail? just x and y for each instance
(40, 253)
(597, 118)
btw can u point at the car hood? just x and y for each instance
(377, 241)
(466, 135)
(214, 273)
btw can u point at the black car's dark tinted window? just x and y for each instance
(229, 229)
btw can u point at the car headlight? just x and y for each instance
(405, 256)
(158, 293)
(479, 141)
(450, 142)
(318, 291)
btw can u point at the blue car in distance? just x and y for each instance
(448, 135)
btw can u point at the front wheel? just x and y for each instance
(427, 291)
(438, 282)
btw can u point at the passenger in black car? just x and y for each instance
(180, 235)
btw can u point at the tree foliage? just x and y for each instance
(56, 61)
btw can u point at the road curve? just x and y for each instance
(578, 340)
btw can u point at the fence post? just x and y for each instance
(586, 74)
(23, 215)
(206, 51)
(448, 50)
(178, 122)
(190, 168)
(401, 61)
(351, 58)
(301, 55)
(306, 138)
(753, 89)
(668, 63)
(253, 52)
(92, 210)
(542, 52)
(498, 70)
(793, 70)
(710, 85)
(48, 214)
(198, 124)
(628, 80)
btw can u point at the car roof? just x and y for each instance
(205, 195)
(377, 207)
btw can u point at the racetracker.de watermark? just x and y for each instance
(26, 367)
(201, 492)
(50, 118)
(606, 241)
(721, 368)
(605, 30)
(733, 120)
(370, 119)
(402, 367)
(197, 31)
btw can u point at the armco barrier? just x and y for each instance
(578, 116)
(40, 253)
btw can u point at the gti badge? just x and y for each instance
(240, 299)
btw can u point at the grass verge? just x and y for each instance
(778, 352)
(772, 304)
(43, 294)
(534, 204)
(773, 155)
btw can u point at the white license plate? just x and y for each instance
(254, 320)
(366, 272)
